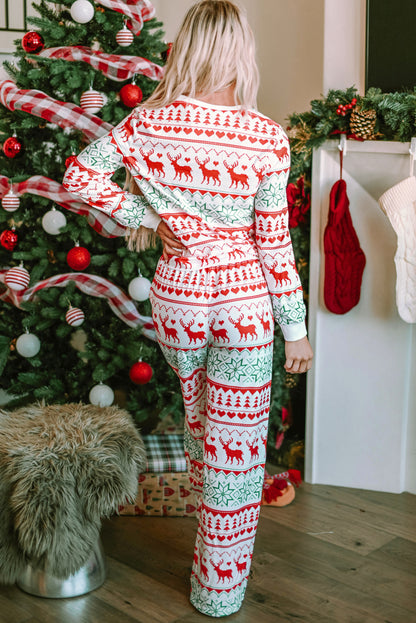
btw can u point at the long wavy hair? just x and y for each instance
(214, 49)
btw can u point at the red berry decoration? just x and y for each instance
(131, 95)
(78, 258)
(8, 239)
(141, 373)
(12, 147)
(32, 42)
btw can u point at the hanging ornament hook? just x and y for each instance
(342, 152)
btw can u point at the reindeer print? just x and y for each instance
(208, 174)
(281, 276)
(216, 179)
(180, 169)
(154, 166)
(236, 178)
(245, 330)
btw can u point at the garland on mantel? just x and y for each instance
(374, 116)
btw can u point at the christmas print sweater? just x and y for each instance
(216, 175)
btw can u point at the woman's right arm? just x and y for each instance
(89, 177)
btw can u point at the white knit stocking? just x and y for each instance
(399, 204)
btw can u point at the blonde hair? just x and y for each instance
(213, 50)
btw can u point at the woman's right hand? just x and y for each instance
(171, 245)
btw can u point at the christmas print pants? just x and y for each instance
(215, 328)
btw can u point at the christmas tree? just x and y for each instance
(72, 81)
(78, 74)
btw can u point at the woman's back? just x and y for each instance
(200, 166)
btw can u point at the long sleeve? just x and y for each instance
(276, 255)
(89, 177)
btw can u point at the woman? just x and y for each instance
(212, 172)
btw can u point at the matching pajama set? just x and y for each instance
(217, 176)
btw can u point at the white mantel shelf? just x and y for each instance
(361, 406)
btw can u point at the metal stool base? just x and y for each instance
(87, 579)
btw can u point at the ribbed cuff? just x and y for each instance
(295, 331)
(151, 220)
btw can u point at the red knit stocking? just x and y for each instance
(344, 258)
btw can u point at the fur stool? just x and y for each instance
(62, 468)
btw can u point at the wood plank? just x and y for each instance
(140, 596)
(343, 566)
(324, 596)
(160, 547)
(296, 574)
(398, 553)
(392, 512)
(10, 612)
(330, 522)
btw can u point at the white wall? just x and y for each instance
(344, 44)
(305, 47)
(289, 38)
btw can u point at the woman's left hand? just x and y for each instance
(171, 245)
(299, 356)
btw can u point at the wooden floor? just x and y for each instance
(333, 555)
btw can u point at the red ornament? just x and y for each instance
(141, 373)
(69, 160)
(8, 239)
(32, 42)
(78, 258)
(12, 147)
(131, 95)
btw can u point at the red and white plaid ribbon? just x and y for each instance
(45, 187)
(113, 66)
(92, 285)
(138, 11)
(64, 114)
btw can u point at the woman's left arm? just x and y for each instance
(277, 258)
(89, 177)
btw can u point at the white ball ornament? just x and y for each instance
(139, 288)
(28, 345)
(10, 202)
(91, 101)
(75, 317)
(101, 395)
(124, 37)
(17, 278)
(82, 11)
(52, 222)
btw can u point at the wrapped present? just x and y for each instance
(164, 488)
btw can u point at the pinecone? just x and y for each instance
(363, 123)
(291, 380)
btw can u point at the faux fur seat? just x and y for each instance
(62, 468)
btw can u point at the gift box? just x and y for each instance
(164, 488)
